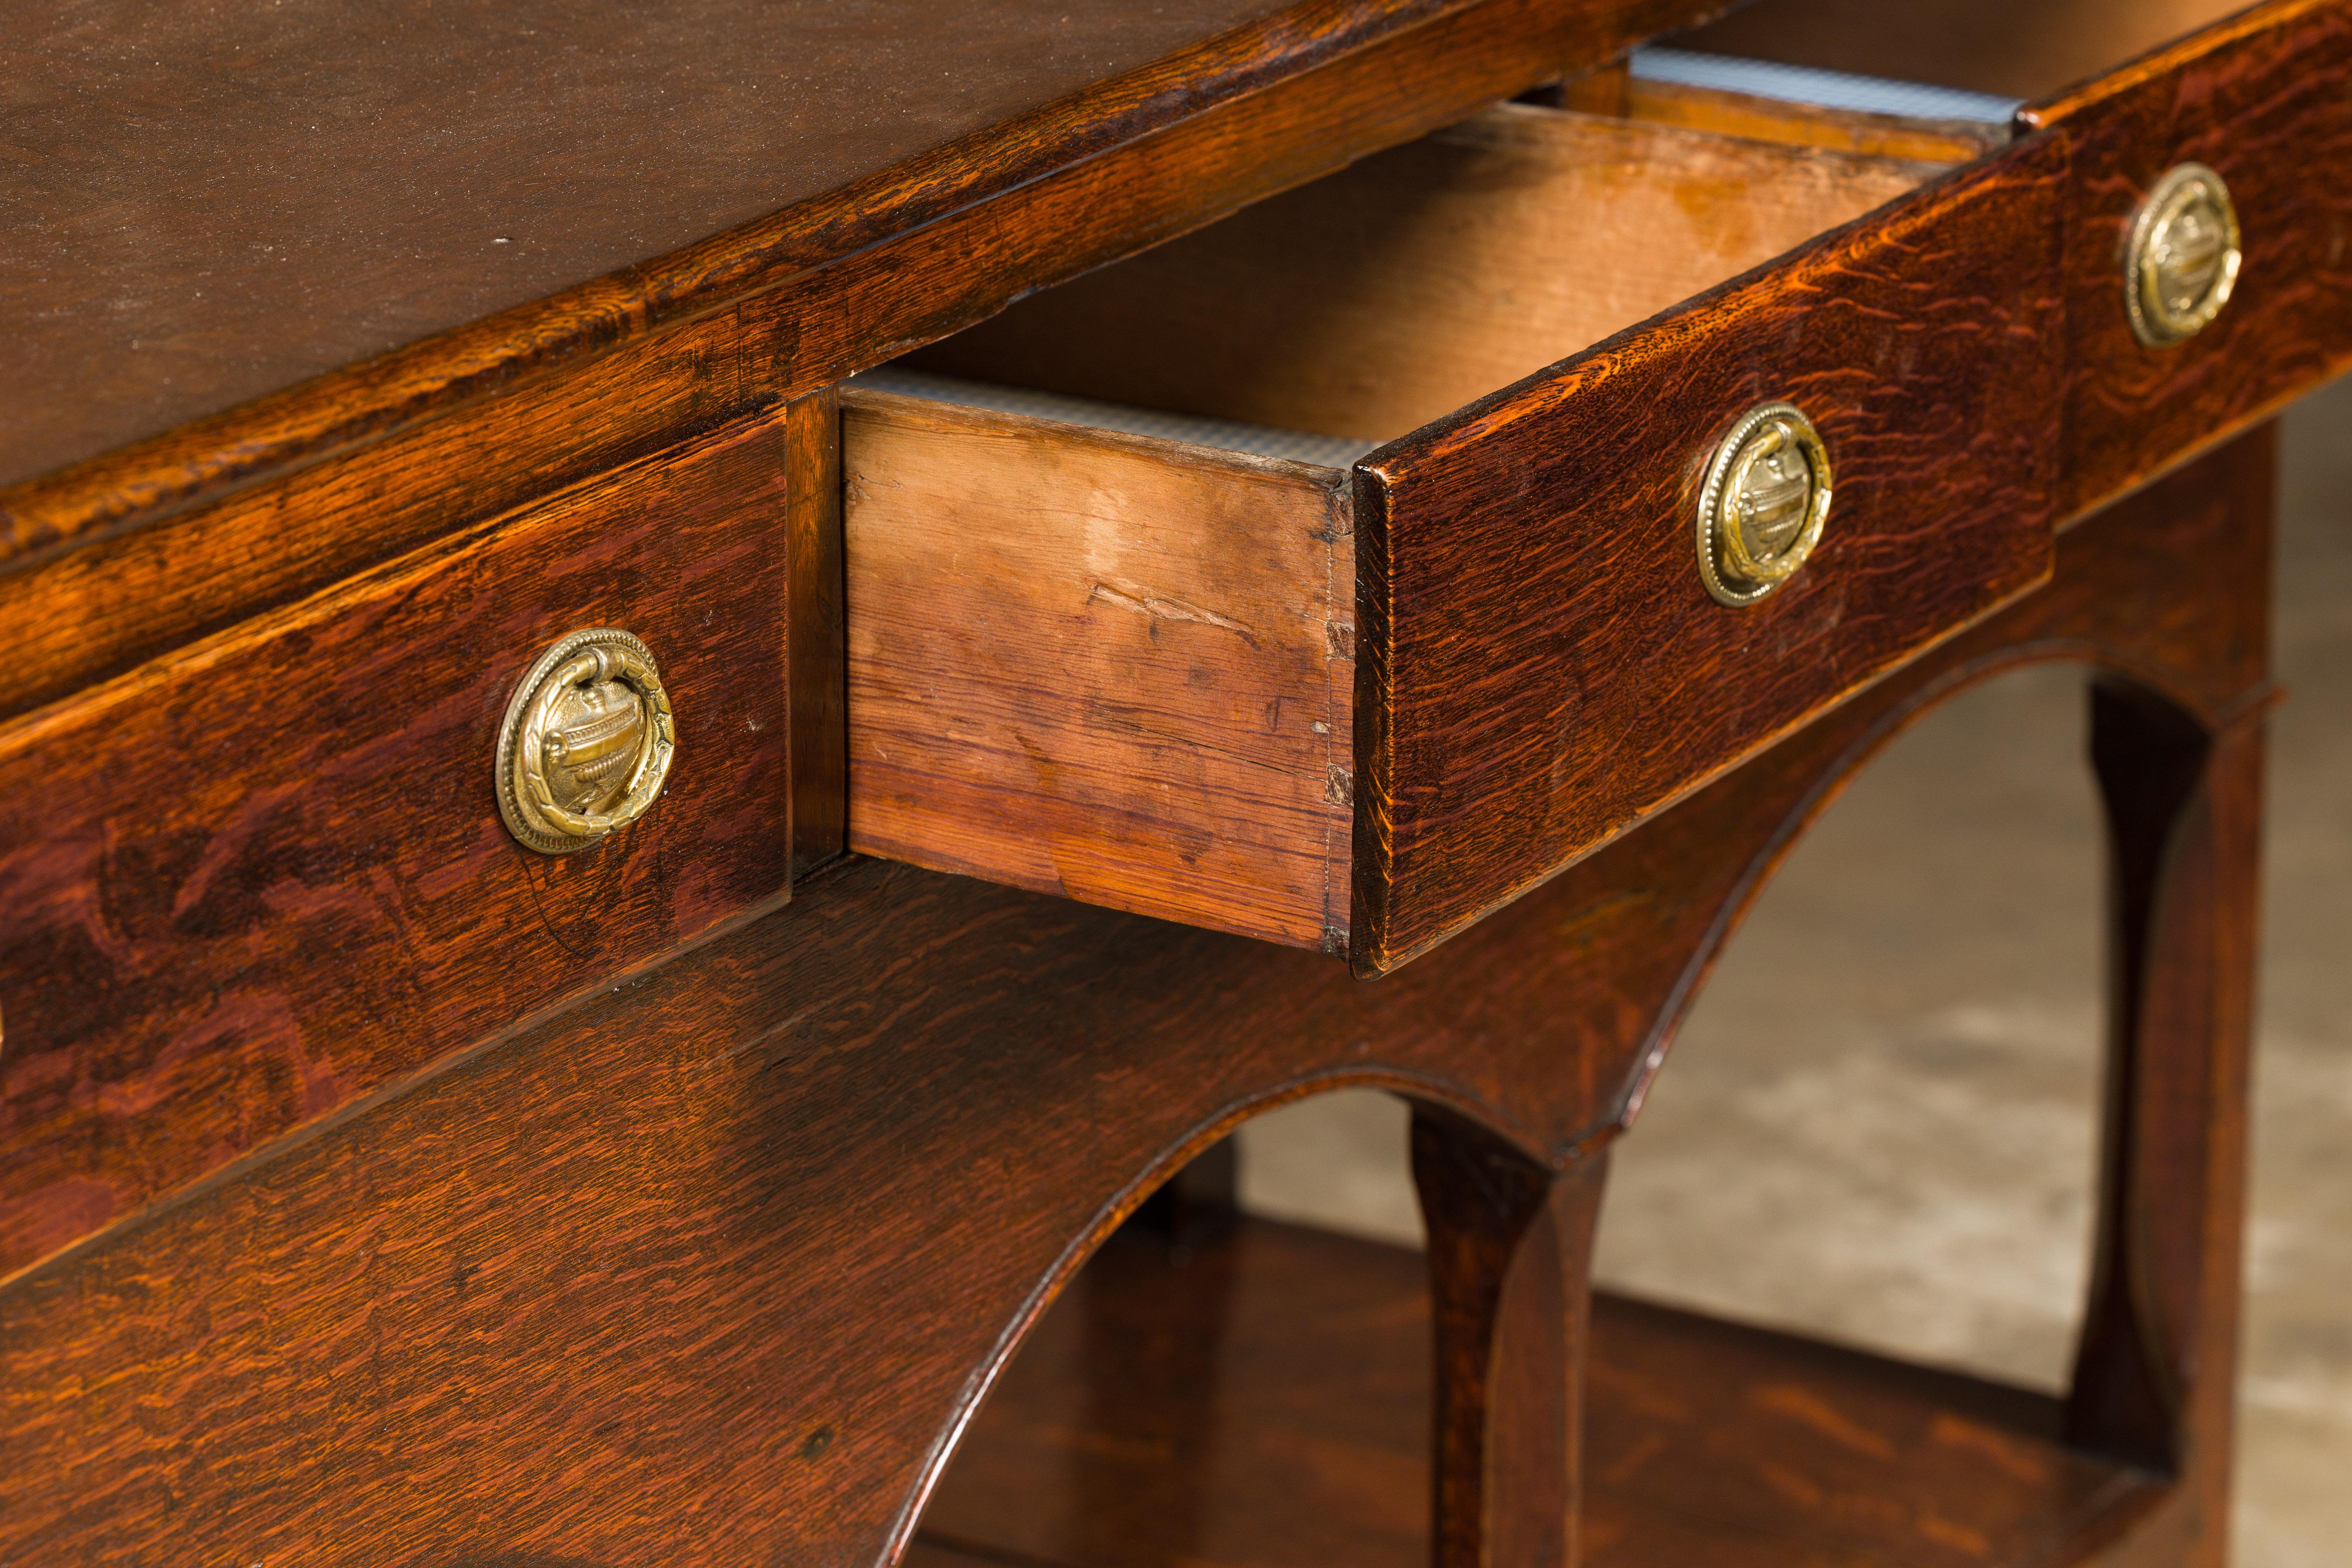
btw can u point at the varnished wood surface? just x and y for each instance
(216, 204)
(893, 256)
(816, 621)
(1540, 666)
(1263, 1399)
(82, 616)
(2016, 49)
(608, 1324)
(1390, 295)
(2263, 103)
(265, 876)
(2155, 1369)
(1098, 664)
(1510, 1308)
(1807, 124)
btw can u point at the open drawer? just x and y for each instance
(1422, 627)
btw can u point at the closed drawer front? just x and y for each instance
(255, 879)
(1356, 704)
(2265, 101)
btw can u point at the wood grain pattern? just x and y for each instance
(1265, 1402)
(85, 615)
(262, 877)
(1389, 295)
(2156, 1372)
(817, 621)
(1101, 665)
(274, 199)
(1510, 1286)
(615, 1321)
(1513, 558)
(1810, 125)
(1036, 191)
(2262, 100)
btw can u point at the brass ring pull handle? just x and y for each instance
(1764, 502)
(2180, 265)
(587, 742)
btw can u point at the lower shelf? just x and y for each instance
(1264, 1401)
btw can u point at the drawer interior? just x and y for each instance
(1417, 281)
(1101, 579)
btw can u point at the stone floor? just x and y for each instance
(1878, 1122)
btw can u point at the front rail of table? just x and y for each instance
(749, 1236)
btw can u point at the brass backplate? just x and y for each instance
(1763, 504)
(587, 742)
(2181, 261)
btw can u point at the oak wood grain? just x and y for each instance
(1101, 665)
(1510, 1288)
(265, 876)
(273, 198)
(1809, 125)
(1011, 198)
(80, 616)
(1516, 558)
(2156, 1369)
(817, 625)
(2262, 100)
(1264, 1400)
(691, 1295)
(1384, 297)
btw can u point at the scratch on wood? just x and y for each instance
(1168, 609)
(1145, 724)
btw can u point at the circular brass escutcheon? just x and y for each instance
(1761, 509)
(586, 744)
(2181, 263)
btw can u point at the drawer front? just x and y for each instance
(1540, 666)
(250, 880)
(2265, 100)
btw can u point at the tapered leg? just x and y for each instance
(2153, 1376)
(1197, 1204)
(1510, 1250)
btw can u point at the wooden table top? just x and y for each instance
(210, 204)
(209, 207)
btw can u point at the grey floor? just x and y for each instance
(1877, 1123)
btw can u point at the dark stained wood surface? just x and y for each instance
(984, 203)
(1264, 1400)
(1509, 1305)
(264, 877)
(817, 622)
(610, 1321)
(1538, 665)
(2016, 49)
(2262, 101)
(2156, 1369)
(666, 1275)
(218, 203)
(77, 617)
